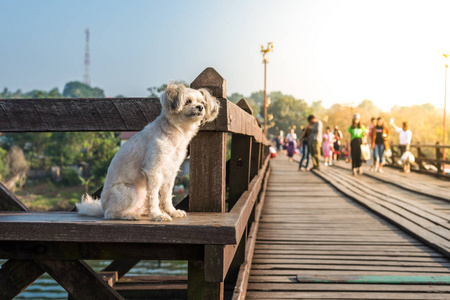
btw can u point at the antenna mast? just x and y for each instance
(86, 76)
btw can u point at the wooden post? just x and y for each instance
(241, 149)
(207, 183)
(256, 157)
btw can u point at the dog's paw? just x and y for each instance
(162, 217)
(133, 216)
(178, 213)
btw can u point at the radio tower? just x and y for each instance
(86, 76)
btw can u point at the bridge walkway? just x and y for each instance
(314, 242)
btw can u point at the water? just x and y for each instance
(47, 288)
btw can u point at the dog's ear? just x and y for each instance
(173, 97)
(211, 107)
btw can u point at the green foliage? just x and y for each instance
(4, 166)
(285, 112)
(76, 89)
(70, 177)
(236, 97)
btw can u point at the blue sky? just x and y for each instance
(334, 51)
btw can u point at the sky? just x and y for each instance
(389, 52)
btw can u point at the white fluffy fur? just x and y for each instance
(141, 176)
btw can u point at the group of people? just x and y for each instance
(377, 137)
(366, 144)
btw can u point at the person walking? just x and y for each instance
(338, 136)
(356, 131)
(305, 148)
(405, 136)
(380, 135)
(315, 138)
(291, 138)
(327, 147)
(370, 162)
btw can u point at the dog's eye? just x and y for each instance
(188, 101)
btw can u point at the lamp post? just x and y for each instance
(444, 133)
(264, 52)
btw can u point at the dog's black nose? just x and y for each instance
(199, 107)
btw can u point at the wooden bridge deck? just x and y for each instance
(310, 230)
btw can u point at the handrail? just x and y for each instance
(248, 168)
(437, 162)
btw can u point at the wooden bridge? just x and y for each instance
(255, 229)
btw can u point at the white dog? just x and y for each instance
(141, 176)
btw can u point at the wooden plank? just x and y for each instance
(208, 172)
(79, 280)
(410, 280)
(116, 251)
(196, 228)
(422, 233)
(353, 287)
(69, 114)
(256, 156)
(330, 236)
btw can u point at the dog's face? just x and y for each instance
(189, 104)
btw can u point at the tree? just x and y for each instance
(285, 112)
(236, 97)
(76, 89)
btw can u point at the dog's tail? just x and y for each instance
(89, 206)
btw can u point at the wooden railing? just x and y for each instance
(431, 162)
(216, 237)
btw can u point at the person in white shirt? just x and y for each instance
(405, 136)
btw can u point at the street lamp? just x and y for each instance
(264, 52)
(444, 134)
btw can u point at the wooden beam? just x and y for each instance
(115, 251)
(9, 202)
(16, 276)
(106, 114)
(196, 228)
(79, 280)
(241, 149)
(198, 289)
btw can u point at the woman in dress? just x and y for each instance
(291, 138)
(327, 147)
(356, 131)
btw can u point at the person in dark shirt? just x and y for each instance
(380, 135)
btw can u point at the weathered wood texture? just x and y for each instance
(208, 172)
(208, 237)
(79, 280)
(333, 236)
(196, 228)
(428, 225)
(118, 114)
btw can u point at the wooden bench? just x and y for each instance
(212, 237)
